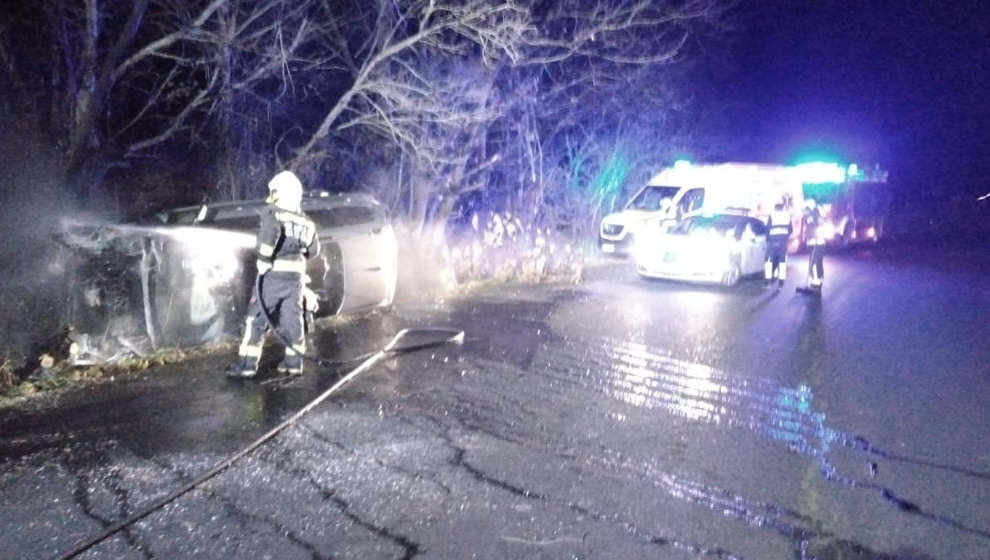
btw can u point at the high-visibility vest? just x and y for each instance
(780, 224)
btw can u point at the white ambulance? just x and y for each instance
(684, 190)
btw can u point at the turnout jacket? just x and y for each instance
(779, 225)
(812, 226)
(286, 239)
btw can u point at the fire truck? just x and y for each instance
(853, 202)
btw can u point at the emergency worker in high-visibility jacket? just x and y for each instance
(286, 239)
(813, 220)
(778, 234)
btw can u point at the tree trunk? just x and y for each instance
(85, 104)
(227, 181)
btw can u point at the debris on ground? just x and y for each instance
(74, 357)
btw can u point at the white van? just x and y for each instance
(686, 190)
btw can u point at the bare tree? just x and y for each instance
(93, 72)
(131, 77)
(388, 75)
(402, 82)
(261, 53)
(600, 138)
(474, 94)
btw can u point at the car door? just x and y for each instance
(755, 246)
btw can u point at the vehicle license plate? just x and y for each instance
(608, 247)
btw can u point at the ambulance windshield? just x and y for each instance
(650, 197)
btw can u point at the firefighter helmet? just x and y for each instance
(285, 191)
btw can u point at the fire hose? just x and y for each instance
(406, 340)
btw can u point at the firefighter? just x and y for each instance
(286, 239)
(778, 234)
(815, 240)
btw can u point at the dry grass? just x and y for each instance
(7, 376)
(64, 374)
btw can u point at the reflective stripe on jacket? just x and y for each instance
(779, 224)
(286, 239)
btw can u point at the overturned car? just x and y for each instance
(184, 276)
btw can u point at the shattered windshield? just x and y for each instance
(650, 197)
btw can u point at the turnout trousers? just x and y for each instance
(282, 297)
(816, 265)
(776, 265)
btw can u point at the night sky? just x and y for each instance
(903, 84)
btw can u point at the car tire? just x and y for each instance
(731, 278)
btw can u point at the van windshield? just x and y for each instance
(650, 197)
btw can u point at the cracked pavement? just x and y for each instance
(614, 419)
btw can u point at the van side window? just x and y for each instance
(691, 201)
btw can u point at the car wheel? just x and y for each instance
(732, 276)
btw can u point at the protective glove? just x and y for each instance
(263, 267)
(311, 304)
(311, 301)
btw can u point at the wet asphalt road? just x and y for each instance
(615, 419)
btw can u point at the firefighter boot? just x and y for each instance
(240, 370)
(289, 371)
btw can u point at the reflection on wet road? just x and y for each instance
(616, 419)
